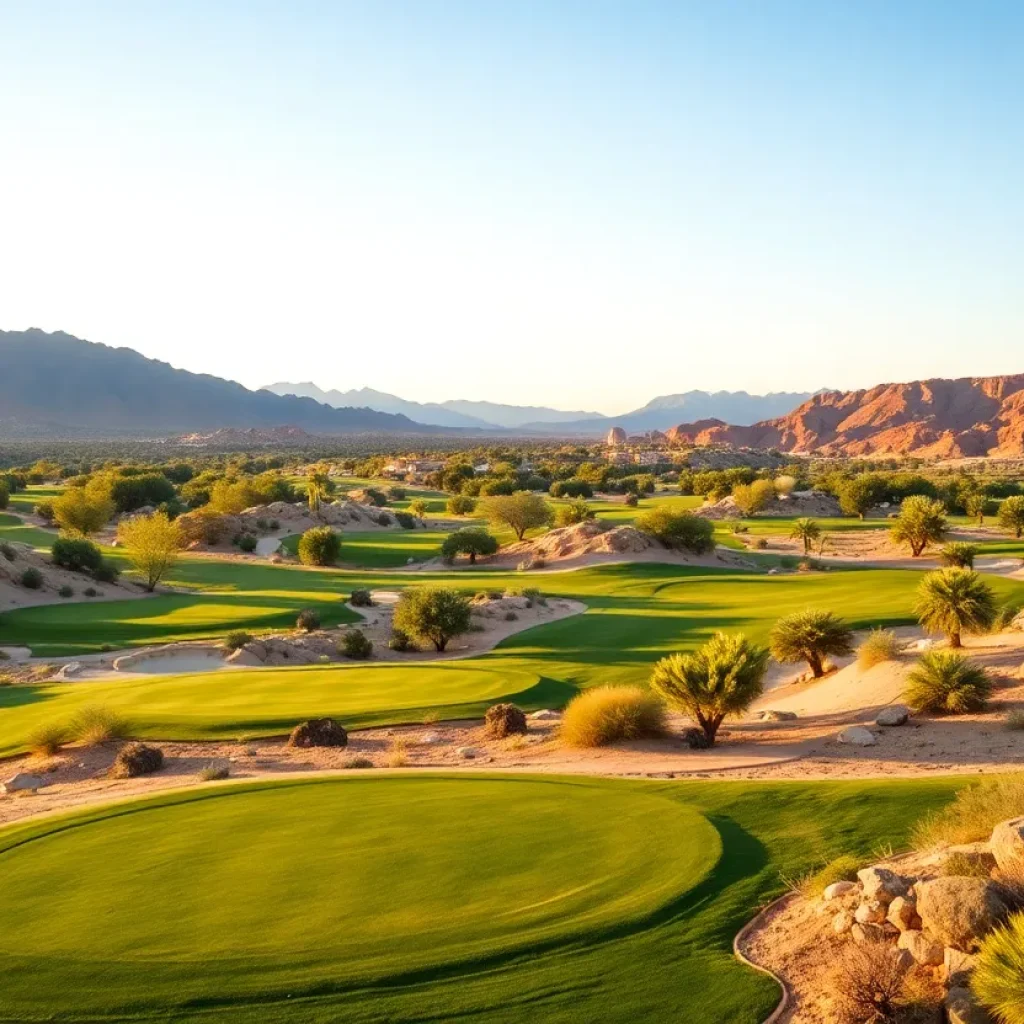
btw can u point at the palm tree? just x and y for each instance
(316, 489)
(724, 677)
(948, 683)
(806, 530)
(810, 636)
(955, 601)
(959, 554)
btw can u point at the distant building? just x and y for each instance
(411, 467)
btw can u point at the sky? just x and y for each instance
(577, 203)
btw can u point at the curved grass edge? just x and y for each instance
(786, 996)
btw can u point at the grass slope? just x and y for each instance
(420, 898)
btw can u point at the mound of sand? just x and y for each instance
(16, 559)
(800, 503)
(593, 537)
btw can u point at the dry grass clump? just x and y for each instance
(998, 980)
(214, 773)
(398, 755)
(961, 866)
(972, 815)
(870, 984)
(502, 720)
(48, 739)
(94, 724)
(814, 883)
(1015, 720)
(358, 762)
(136, 759)
(880, 645)
(608, 714)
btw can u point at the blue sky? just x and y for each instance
(582, 204)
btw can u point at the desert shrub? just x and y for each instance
(406, 520)
(136, 759)
(237, 639)
(503, 720)
(533, 596)
(214, 773)
(356, 644)
(383, 519)
(66, 592)
(571, 489)
(398, 753)
(308, 620)
(810, 636)
(972, 814)
(761, 543)
(106, 572)
(434, 614)
(396, 493)
(460, 505)
(318, 732)
(48, 739)
(880, 645)
(511, 617)
(752, 498)
(954, 602)
(998, 979)
(31, 579)
(1005, 617)
(947, 683)
(959, 554)
(361, 599)
(76, 554)
(1015, 721)
(90, 592)
(319, 546)
(573, 513)
(401, 641)
(814, 883)
(7, 550)
(94, 724)
(609, 714)
(723, 677)
(81, 512)
(785, 484)
(681, 530)
(45, 511)
(1011, 515)
(247, 543)
(358, 762)
(632, 500)
(869, 980)
(472, 541)
(152, 544)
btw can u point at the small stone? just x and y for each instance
(24, 783)
(894, 715)
(867, 932)
(924, 950)
(430, 739)
(545, 715)
(882, 884)
(468, 753)
(842, 922)
(837, 889)
(903, 914)
(871, 912)
(962, 1009)
(857, 736)
(778, 716)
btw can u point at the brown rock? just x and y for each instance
(957, 967)
(870, 912)
(923, 949)
(867, 932)
(882, 884)
(903, 914)
(960, 912)
(1007, 845)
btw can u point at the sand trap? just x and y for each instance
(172, 661)
(15, 653)
(267, 546)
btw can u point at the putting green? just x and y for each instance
(294, 891)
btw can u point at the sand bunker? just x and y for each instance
(174, 659)
(799, 503)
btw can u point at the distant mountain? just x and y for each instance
(737, 407)
(367, 398)
(938, 418)
(514, 417)
(59, 385)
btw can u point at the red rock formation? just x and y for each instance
(970, 416)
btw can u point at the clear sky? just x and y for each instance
(569, 202)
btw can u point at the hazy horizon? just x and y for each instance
(576, 205)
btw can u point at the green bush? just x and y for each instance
(405, 520)
(461, 505)
(247, 543)
(944, 682)
(237, 639)
(954, 602)
(434, 614)
(680, 530)
(90, 592)
(959, 554)
(66, 591)
(610, 714)
(356, 644)
(308, 620)
(7, 550)
(94, 724)
(401, 641)
(471, 541)
(31, 579)
(361, 599)
(998, 979)
(76, 554)
(573, 513)
(106, 572)
(320, 546)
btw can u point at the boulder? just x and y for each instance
(837, 889)
(1007, 845)
(857, 736)
(870, 912)
(777, 716)
(842, 922)
(867, 932)
(903, 914)
(960, 912)
(895, 714)
(318, 732)
(22, 782)
(957, 967)
(923, 949)
(961, 1008)
(882, 884)
(467, 752)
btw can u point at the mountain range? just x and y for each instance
(938, 418)
(737, 407)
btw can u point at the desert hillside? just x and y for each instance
(970, 416)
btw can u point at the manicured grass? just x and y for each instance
(420, 898)
(383, 549)
(26, 500)
(14, 529)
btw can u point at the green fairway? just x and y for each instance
(420, 898)
(14, 529)
(26, 500)
(383, 549)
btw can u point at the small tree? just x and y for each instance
(82, 513)
(519, 512)
(472, 541)
(573, 513)
(977, 506)
(433, 614)
(418, 507)
(810, 636)
(752, 498)
(5, 494)
(921, 521)
(461, 505)
(76, 554)
(724, 677)
(955, 601)
(316, 489)
(784, 485)
(857, 496)
(1011, 515)
(806, 530)
(320, 545)
(152, 544)
(682, 530)
(959, 554)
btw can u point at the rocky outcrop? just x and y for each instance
(969, 416)
(960, 912)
